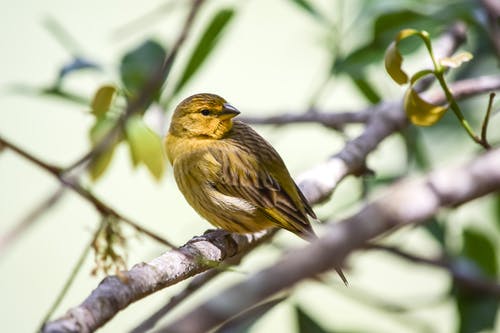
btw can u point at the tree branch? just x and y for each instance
(112, 295)
(196, 283)
(406, 203)
(469, 281)
(387, 118)
(99, 205)
(336, 120)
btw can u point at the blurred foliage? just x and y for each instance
(477, 311)
(356, 44)
(306, 324)
(204, 47)
(145, 146)
(139, 65)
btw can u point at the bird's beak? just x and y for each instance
(229, 111)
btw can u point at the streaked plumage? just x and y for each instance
(229, 174)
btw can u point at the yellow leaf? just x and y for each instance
(419, 111)
(456, 60)
(101, 128)
(393, 59)
(145, 146)
(405, 33)
(100, 163)
(102, 100)
(393, 62)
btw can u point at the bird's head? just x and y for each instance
(203, 115)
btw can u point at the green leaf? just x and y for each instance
(100, 162)
(388, 24)
(436, 230)
(481, 250)
(102, 100)
(456, 60)
(367, 89)
(355, 63)
(206, 44)
(419, 111)
(145, 146)
(477, 311)
(497, 210)
(393, 58)
(307, 324)
(139, 65)
(101, 127)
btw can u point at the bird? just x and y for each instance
(230, 174)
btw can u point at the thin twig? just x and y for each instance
(469, 281)
(336, 120)
(72, 275)
(145, 95)
(75, 186)
(484, 127)
(48, 167)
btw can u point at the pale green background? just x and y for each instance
(271, 60)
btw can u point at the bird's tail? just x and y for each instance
(307, 233)
(342, 276)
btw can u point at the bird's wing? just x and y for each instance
(253, 171)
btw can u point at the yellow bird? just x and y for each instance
(231, 175)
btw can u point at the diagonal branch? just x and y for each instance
(195, 284)
(465, 279)
(406, 203)
(112, 294)
(387, 118)
(99, 205)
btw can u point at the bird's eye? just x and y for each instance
(205, 112)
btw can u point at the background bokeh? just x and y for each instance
(272, 58)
